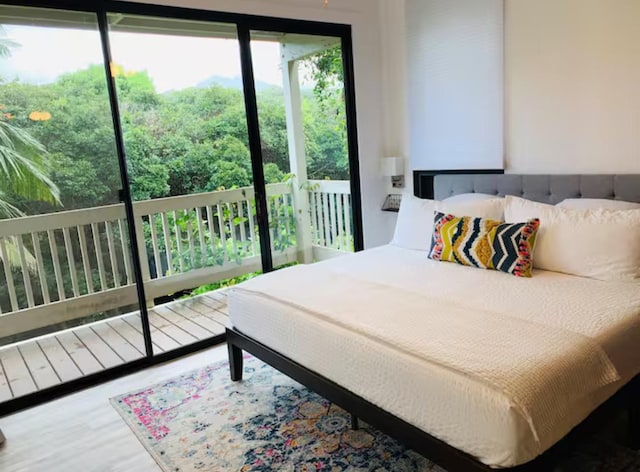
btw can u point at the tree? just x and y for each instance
(272, 173)
(6, 44)
(228, 175)
(325, 117)
(24, 169)
(326, 71)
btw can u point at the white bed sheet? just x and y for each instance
(462, 412)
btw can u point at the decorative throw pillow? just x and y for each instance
(484, 243)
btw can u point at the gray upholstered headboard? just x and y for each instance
(541, 188)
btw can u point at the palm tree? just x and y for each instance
(24, 170)
(24, 167)
(6, 45)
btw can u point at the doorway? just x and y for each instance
(182, 151)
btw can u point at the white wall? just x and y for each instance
(364, 17)
(573, 86)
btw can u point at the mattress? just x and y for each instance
(447, 404)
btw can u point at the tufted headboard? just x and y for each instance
(541, 188)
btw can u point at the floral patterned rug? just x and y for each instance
(201, 421)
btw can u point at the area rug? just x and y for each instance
(201, 421)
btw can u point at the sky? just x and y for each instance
(173, 62)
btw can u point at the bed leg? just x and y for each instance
(235, 362)
(634, 423)
(354, 422)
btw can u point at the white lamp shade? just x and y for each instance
(392, 166)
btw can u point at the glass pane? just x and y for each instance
(183, 116)
(67, 291)
(301, 109)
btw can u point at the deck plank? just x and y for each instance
(180, 321)
(5, 391)
(198, 318)
(128, 332)
(53, 359)
(219, 318)
(17, 372)
(161, 342)
(84, 359)
(100, 349)
(41, 369)
(211, 308)
(59, 358)
(217, 296)
(179, 336)
(116, 342)
(212, 303)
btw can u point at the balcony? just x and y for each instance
(63, 306)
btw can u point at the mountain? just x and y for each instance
(231, 82)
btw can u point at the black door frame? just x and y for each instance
(244, 24)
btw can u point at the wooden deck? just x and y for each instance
(46, 361)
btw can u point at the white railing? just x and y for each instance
(192, 238)
(53, 256)
(331, 224)
(71, 264)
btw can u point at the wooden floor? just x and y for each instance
(83, 432)
(49, 360)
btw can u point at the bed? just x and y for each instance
(382, 372)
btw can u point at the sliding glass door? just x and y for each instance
(68, 298)
(150, 157)
(183, 120)
(304, 144)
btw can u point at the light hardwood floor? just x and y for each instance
(82, 432)
(53, 359)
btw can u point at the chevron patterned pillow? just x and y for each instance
(484, 243)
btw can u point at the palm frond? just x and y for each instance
(24, 167)
(7, 210)
(6, 44)
(13, 256)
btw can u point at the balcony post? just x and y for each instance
(144, 260)
(297, 157)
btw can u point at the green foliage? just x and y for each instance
(24, 164)
(24, 170)
(326, 145)
(327, 72)
(177, 143)
(147, 174)
(227, 175)
(272, 173)
(6, 44)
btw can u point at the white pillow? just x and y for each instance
(597, 203)
(600, 244)
(415, 219)
(468, 197)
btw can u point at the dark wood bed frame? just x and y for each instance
(448, 457)
(452, 459)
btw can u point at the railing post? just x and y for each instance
(142, 251)
(297, 157)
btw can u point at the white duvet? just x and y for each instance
(544, 346)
